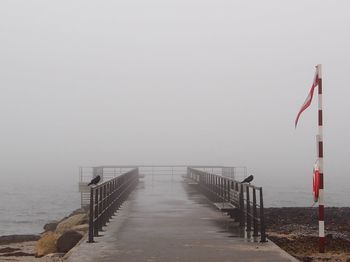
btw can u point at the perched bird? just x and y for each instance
(95, 180)
(248, 179)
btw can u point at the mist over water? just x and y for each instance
(189, 82)
(26, 207)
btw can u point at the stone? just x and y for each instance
(81, 210)
(68, 240)
(81, 228)
(51, 226)
(46, 244)
(70, 222)
(54, 255)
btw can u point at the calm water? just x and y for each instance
(26, 206)
(301, 196)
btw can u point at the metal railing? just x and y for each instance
(111, 171)
(87, 173)
(244, 198)
(106, 198)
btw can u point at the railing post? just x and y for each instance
(262, 218)
(221, 189)
(241, 207)
(217, 184)
(103, 213)
(212, 188)
(96, 212)
(100, 209)
(108, 202)
(255, 224)
(229, 185)
(91, 217)
(249, 218)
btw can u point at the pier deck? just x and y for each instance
(165, 219)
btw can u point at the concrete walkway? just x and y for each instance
(167, 220)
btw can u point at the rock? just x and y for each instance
(81, 228)
(53, 255)
(68, 240)
(82, 210)
(46, 244)
(4, 240)
(51, 226)
(70, 222)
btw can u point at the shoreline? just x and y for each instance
(31, 247)
(294, 229)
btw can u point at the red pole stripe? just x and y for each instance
(320, 181)
(320, 119)
(320, 149)
(321, 244)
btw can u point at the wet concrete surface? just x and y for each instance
(165, 219)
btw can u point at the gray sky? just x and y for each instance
(172, 81)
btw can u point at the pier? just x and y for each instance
(179, 213)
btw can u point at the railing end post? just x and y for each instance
(91, 217)
(262, 218)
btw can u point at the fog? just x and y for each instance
(86, 83)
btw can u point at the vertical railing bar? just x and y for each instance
(255, 222)
(262, 218)
(249, 218)
(241, 207)
(91, 216)
(96, 211)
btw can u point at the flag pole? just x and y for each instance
(321, 226)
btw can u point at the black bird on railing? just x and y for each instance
(95, 180)
(248, 179)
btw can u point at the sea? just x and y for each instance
(27, 205)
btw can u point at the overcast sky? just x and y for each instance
(87, 83)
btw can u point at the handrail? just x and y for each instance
(107, 197)
(227, 190)
(107, 172)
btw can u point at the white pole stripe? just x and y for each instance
(320, 132)
(321, 197)
(321, 227)
(317, 142)
(319, 71)
(320, 102)
(320, 165)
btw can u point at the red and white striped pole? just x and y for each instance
(320, 163)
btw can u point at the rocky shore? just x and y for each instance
(295, 229)
(51, 245)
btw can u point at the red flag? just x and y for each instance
(308, 99)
